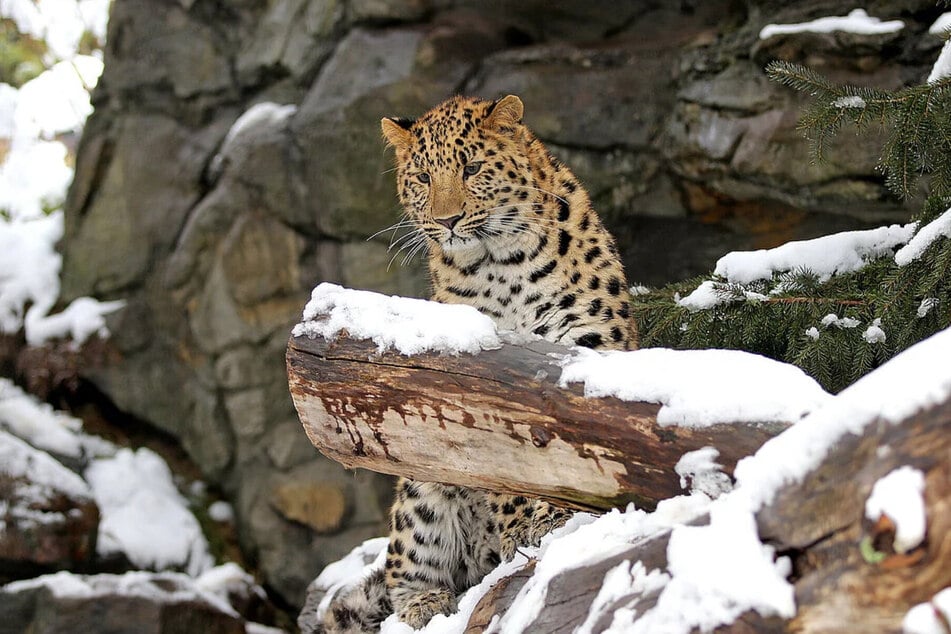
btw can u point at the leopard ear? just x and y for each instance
(396, 132)
(505, 114)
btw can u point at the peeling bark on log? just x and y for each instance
(818, 523)
(496, 420)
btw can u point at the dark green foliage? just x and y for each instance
(775, 317)
(776, 325)
(917, 119)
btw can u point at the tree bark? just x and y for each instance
(497, 420)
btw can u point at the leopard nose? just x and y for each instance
(449, 222)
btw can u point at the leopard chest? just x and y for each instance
(519, 294)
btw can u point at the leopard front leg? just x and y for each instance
(523, 521)
(441, 543)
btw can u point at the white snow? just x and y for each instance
(937, 228)
(812, 333)
(228, 579)
(874, 333)
(43, 475)
(164, 587)
(57, 100)
(621, 581)
(839, 322)
(942, 65)
(693, 386)
(60, 23)
(222, 512)
(942, 24)
(33, 178)
(718, 572)
(857, 21)
(410, 326)
(587, 540)
(29, 276)
(926, 306)
(825, 256)
(143, 515)
(266, 113)
(38, 424)
(35, 171)
(353, 567)
(699, 471)
(929, 618)
(850, 101)
(899, 496)
(703, 297)
(904, 385)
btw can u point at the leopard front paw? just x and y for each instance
(418, 608)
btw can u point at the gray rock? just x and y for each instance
(141, 602)
(48, 518)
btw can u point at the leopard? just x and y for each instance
(511, 231)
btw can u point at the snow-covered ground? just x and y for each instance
(142, 514)
(35, 169)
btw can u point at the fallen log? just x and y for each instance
(497, 420)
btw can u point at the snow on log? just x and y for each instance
(433, 392)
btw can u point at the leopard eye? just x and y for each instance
(423, 177)
(472, 169)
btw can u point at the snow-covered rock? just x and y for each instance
(48, 517)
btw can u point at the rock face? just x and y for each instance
(214, 233)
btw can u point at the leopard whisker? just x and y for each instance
(405, 222)
(408, 236)
(412, 246)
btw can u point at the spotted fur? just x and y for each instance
(510, 231)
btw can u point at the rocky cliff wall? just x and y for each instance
(215, 239)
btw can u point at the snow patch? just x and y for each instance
(926, 306)
(703, 297)
(162, 587)
(839, 322)
(410, 326)
(826, 256)
(874, 333)
(812, 333)
(700, 594)
(899, 496)
(348, 571)
(942, 65)
(699, 471)
(693, 387)
(143, 515)
(221, 512)
(906, 384)
(929, 618)
(44, 476)
(849, 101)
(857, 21)
(60, 23)
(262, 114)
(621, 581)
(937, 228)
(941, 25)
